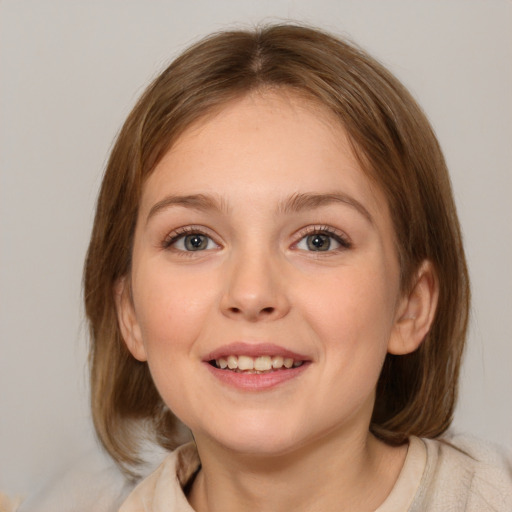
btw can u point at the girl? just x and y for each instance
(276, 263)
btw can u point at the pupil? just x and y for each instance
(318, 242)
(195, 242)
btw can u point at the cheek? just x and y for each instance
(352, 302)
(352, 316)
(171, 307)
(172, 310)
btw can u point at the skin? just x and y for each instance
(304, 444)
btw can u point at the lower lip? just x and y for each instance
(256, 381)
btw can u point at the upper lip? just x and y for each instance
(254, 350)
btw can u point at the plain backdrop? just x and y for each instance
(69, 73)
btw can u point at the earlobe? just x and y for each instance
(416, 312)
(127, 320)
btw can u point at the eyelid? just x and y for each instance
(178, 233)
(337, 234)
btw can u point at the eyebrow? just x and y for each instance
(201, 202)
(300, 202)
(294, 204)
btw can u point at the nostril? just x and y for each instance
(264, 311)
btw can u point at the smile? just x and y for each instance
(259, 364)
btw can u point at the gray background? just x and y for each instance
(70, 72)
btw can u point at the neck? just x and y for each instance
(342, 474)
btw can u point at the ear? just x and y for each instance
(415, 312)
(127, 320)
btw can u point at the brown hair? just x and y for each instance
(416, 393)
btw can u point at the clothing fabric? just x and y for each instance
(453, 474)
(437, 476)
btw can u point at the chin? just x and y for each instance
(261, 446)
(262, 439)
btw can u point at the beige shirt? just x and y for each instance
(438, 476)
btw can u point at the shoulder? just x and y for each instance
(163, 489)
(467, 474)
(94, 482)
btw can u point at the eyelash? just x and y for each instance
(179, 233)
(335, 234)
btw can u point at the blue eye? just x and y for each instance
(191, 242)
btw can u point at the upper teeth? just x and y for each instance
(260, 363)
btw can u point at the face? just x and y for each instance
(261, 243)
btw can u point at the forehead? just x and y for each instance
(253, 157)
(262, 136)
(265, 144)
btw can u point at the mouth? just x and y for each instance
(255, 365)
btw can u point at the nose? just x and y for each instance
(255, 289)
